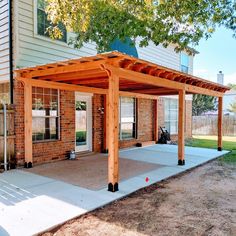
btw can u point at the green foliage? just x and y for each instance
(232, 86)
(80, 106)
(203, 103)
(179, 22)
(81, 136)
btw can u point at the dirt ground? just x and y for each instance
(199, 202)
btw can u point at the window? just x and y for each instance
(45, 114)
(127, 118)
(171, 115)
(184, 62)
(43, 23)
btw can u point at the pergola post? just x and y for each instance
(28, 123)
(220, 121)
(156, 120)
(113, 131)
(181, 125)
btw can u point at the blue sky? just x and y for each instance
(217, 53)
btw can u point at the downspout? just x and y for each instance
(10, 49)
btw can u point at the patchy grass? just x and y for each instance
(211, 143)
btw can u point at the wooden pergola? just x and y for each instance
(115, 74)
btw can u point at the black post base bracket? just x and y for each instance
(105, 151)
(113, 188)
(28, 165)
(219, 149)
(181, 162)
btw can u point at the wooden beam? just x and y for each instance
(100, 80)
(152, 90)
(76, 77)
(220, 123)
(160, 82)
(79, 74)
(137, 95)
(156, 126)
(86, 66)
(181, 125)
(113, 132)
(144, 78)
(200, 90)
(71, 87)
(28, 123)
(64, 86)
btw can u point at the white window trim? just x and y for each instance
(180, 67)
(59, 121)
(135, 121)
(41, 37)
(172, 121)
(87, 97)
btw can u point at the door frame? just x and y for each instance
(87, 97)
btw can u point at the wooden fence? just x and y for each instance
(10, 135)
(207, 125)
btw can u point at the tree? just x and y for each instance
(202, 104)
(232, 86)
(178, 22)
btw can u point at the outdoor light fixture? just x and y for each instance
(101, 110)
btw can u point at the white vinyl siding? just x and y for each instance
(4, 41)
(35, 49)
(160, 55)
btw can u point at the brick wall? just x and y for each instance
(56, 150)
(145, 123)
(19, 122)
(48, 150)
(98, 121)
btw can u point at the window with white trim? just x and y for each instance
(184, 62)
(171, 115)
(43, 23)
(45, 114)
(127, 118)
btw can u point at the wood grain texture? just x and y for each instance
(181, 125)
(113, 129)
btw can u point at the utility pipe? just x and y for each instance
(10, 27)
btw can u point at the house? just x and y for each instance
(229, 99)
(61, 93)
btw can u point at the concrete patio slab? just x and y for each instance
(30, 203)
(91, 170)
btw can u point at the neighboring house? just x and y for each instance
(229, 98)
(32, 46)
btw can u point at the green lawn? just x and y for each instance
(207, 143)
(81, 136)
